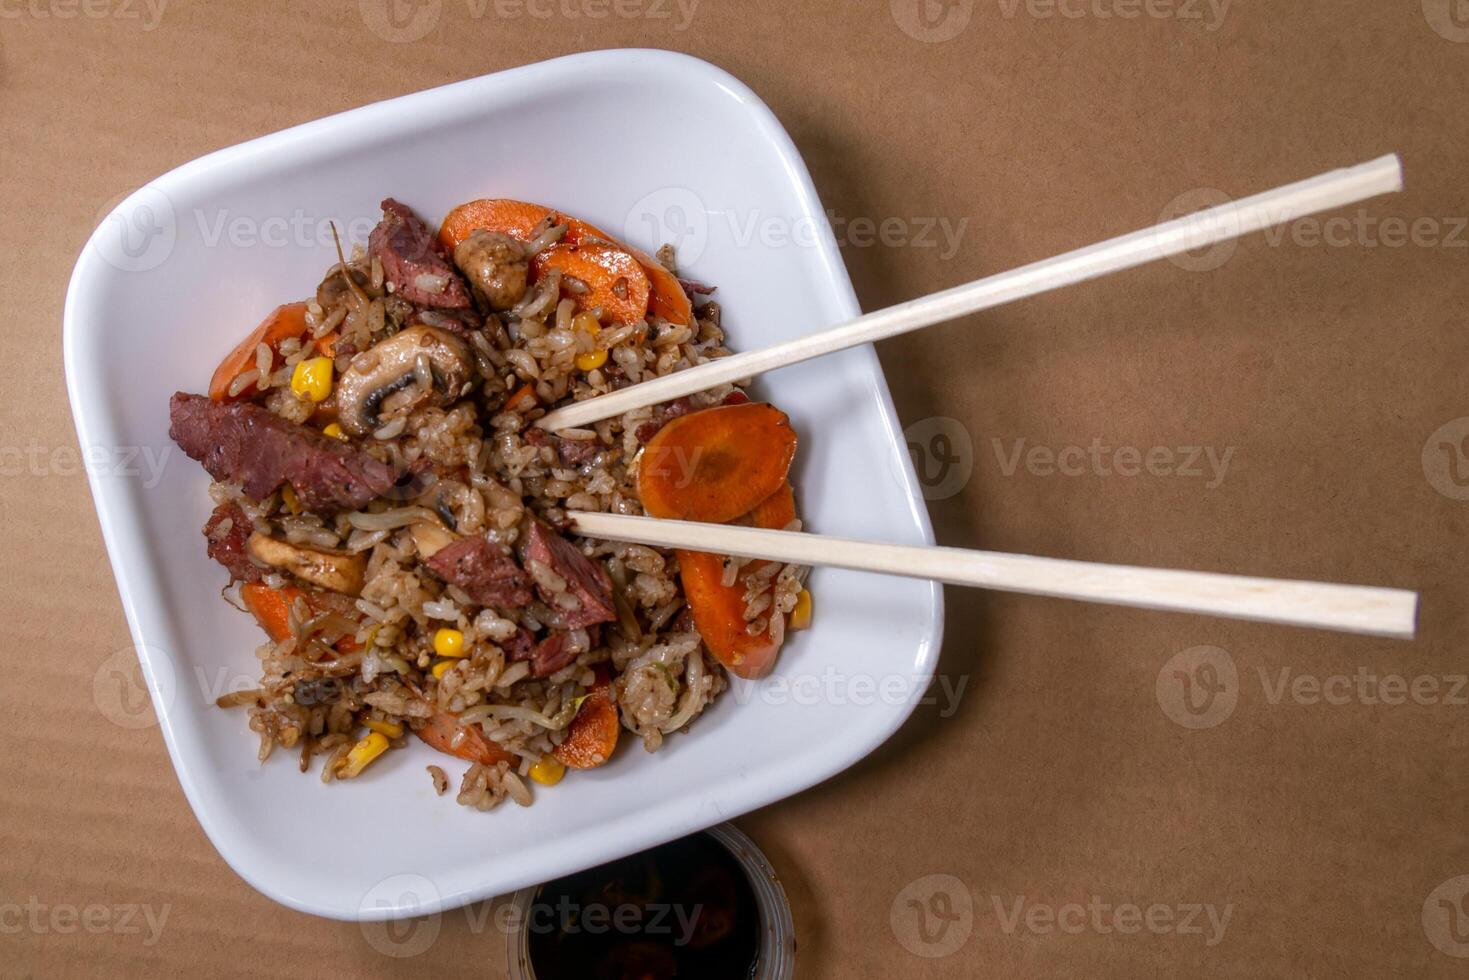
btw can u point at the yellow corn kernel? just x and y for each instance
(801, 615)
(312, 378)
(372, 745)
(289, 498)
(586, 323)
(389, 728)
(449, 643)
(591, 360)
(335, 431)
(548, 771)
(439, 668)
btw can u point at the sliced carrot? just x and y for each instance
(515, 218)
(614, 280)
(442, 729)
(591, 737)
(719, 609)
(777, 510)
(272, 610)
(270, 607)
(518, 219)
(774, 513)
(668, 299)
(717, 463)
(523, 400)
(284, 321)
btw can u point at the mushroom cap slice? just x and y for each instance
(336, 571)
(431, 538)
(397, 365)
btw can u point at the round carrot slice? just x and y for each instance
(719, 614)
(443, 732)
(515, 218)
(716, 464)
(614, 280)
(776, 511)
(719, 609)
(518, 219)
(284, 321)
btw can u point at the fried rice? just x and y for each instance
(349, 662)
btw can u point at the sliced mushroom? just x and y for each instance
(420, 365)
(335, 286)
(336, 571)
(430, 538)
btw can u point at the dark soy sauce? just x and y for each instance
(685, 909)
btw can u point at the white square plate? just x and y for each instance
(190, 263)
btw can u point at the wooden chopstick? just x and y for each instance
(1190, 232)
(1321, 605)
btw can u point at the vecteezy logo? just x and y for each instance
(1446, 917)
(1200, 231)
(400, 21)
(933, 916)
(1448, 18)
(410, 932)
(671, 215)
(942, 454)
(138, 235)
(120, 691)
(932, 21)
(1446, 459)
(1198, 687)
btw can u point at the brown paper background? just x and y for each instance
(1059, 777)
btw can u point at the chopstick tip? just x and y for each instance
(1391, 166)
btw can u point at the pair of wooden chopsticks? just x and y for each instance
(1347, 608)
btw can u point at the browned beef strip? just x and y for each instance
(521, 646)
(585, 579)
(487, 573)
(405, 247)
(227, 544)
(662, 415)
(571, 452)
(692, 286)
(552, 653)
(243, 443)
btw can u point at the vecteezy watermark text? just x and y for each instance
(1208, 13)
(1211, 224)
(679, 217)
(64, 919)
(627, 918)
(837, 687)
(893, 231)
(1364, 686)
(147, 12)
(404, 21)
(125, 462)
(1099, 459)
(680, 13)
(1201, 686)
(416, 931)
(933, 917)
(1017, 913)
